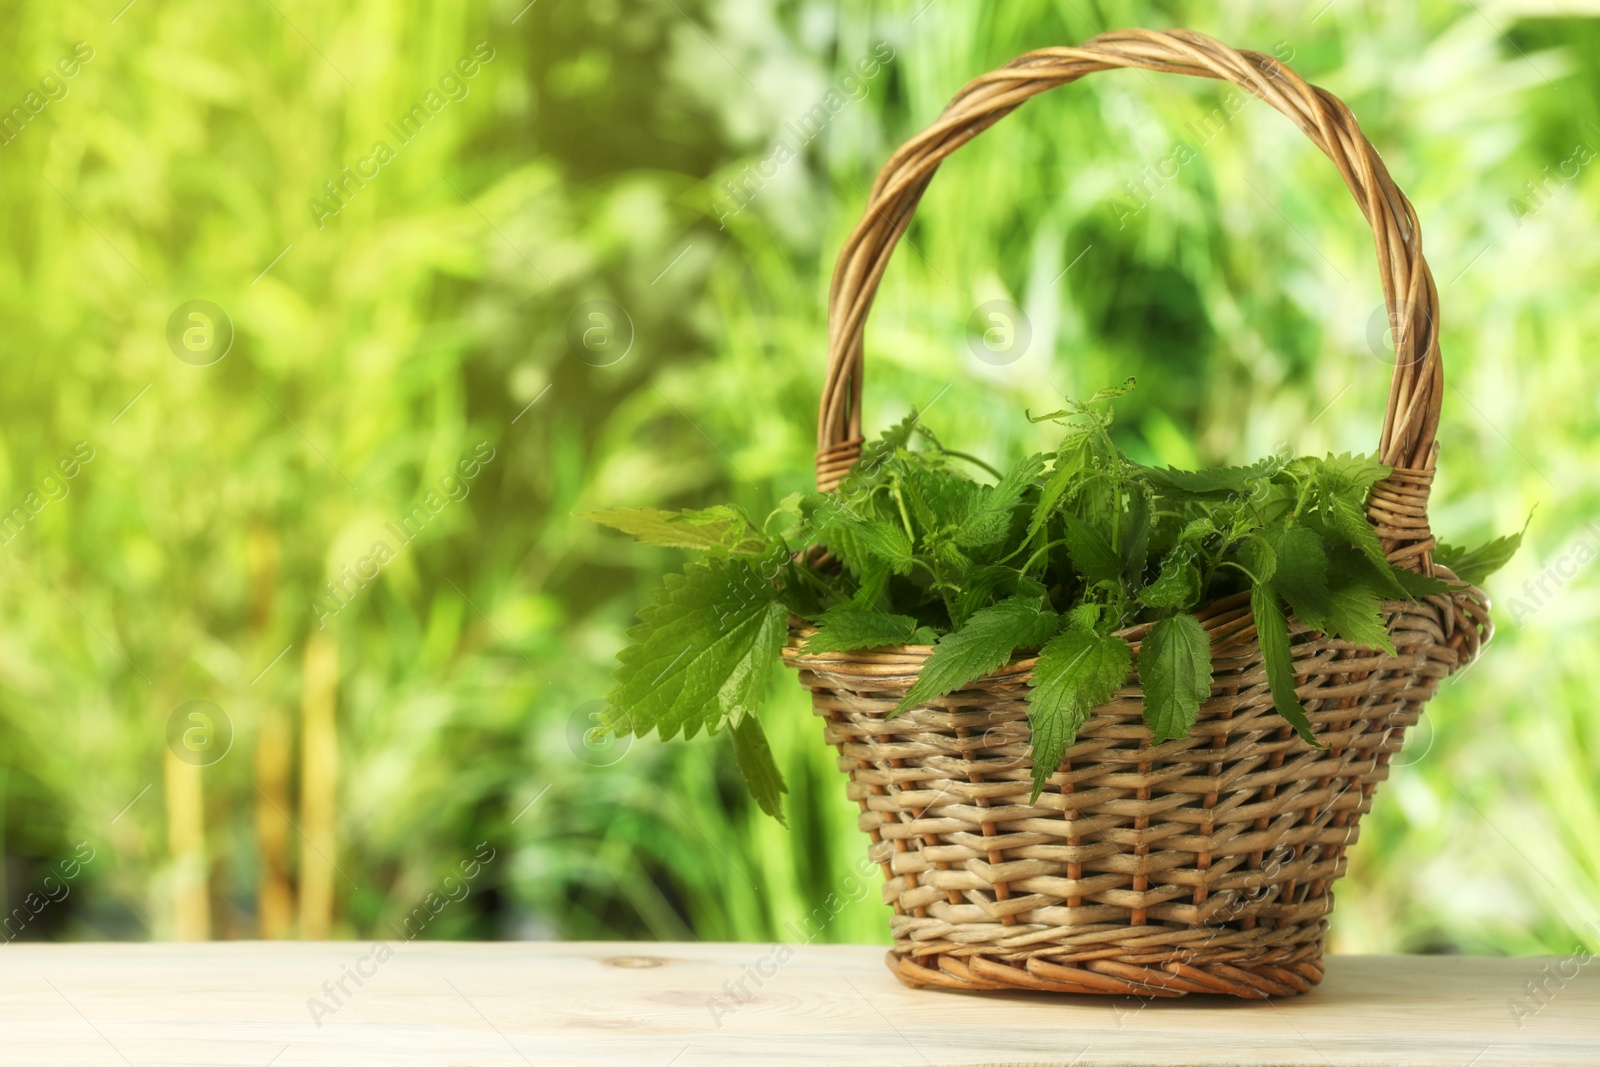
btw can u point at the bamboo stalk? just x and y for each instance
(319, 776)
(274, 755)
(274, 891)
(186, 846)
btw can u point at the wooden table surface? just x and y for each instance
(539, 1003)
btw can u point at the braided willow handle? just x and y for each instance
(1398, 507)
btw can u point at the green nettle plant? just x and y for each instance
(1059, 554)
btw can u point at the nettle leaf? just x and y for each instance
(983, 645)
(1083, 617)
(1355, 604)
(1345, 517)
(1136, 533)
(886, 541)
(938, 497)
(721, 527)
(702, 653)
(1198, 530)
(982, 586)
(1416, 586)
(1354, 474)
(990, 518)
(853, 531)
(849, 627)
(1111, 392)
(1215, 479)
(947, 553)
(1257, 554)
(1178, 584)
(1475, 565)
(1091, 552)
(1302, 576)
(1175, 671)
(1071, 459)
(1272, 629)
(761, 774)
(1077, 672)
(874, 582)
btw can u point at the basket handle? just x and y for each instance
(1398, 506)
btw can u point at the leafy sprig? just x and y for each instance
(1059, 554)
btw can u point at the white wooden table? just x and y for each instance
(255, 1004)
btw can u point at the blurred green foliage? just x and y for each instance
(600, 154)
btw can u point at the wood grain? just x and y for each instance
(658, 1004)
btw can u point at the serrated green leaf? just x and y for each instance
(1475, 565)
(1136, 532)
(1077, 672)
(1302, 576)
(948, 554)
(1083, 617)
(854, 532)
(1091, 553)
(990, 517)
(1355, 606)
(702, 653)
(1353, 474)
(984, 644)
(1346, 518)
(938, 497)
(1416, 586)
(1259, 557)
(1071, 458)
(1214, 479)
(1198, 530)
(1176, 586)
(761, 774)
(1111, 392)
(721, 527)
(986, 584)
(874, 581)
(849, 627)
(1272, 629)
(1175, 672)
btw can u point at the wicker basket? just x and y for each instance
(1202, 865)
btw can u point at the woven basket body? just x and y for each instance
(1201, 865)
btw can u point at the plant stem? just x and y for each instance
(970, 458)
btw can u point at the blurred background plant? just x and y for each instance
(600, 260)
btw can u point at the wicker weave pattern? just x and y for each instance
(1198, 865)
(1202, 865)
